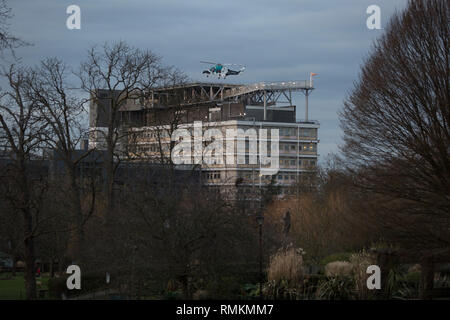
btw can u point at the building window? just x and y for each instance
(308, 147)
(212, 175)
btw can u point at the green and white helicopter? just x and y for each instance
(222, 70)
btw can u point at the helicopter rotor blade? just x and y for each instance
(209, 62)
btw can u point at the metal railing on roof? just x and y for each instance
(261, 86)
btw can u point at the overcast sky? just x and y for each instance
(276, 39)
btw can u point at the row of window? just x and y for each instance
(304, 132)
(304, 147)
(301, 162)
(282, 177)
(151, 148)
(291, 147)
(255, 176)
(211, 175)
(283, 147)
(310, 133)
(152, 134)
(286, 177)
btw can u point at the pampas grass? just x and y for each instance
(287, 265)
(360, 262)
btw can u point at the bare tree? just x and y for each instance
(7, 40)
(11, 232)
(117, 72)
(396, 126)
(159, 123)
(21, 132)
(182, 231)
(63, 112)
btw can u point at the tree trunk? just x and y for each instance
(426, 279)
(60, 265)
(52, 269)
(109, 168)
(24, 202)
(79, 232)
(185, 284)
(30, 276)
(14, 266)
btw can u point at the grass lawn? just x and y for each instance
(14, 288)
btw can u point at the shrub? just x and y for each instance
(360, 262)
(226, 287)
(313, 280)
(336, 288)
(89, 283)
(56, 287)
(343, 256)
(173, 295)
(338, 268)
(310, 285)
(281, 289)
(250, 291)
(412, 277)
(286, 265)
(408, 286)
(200, 295)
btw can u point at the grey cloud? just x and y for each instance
(277, 40)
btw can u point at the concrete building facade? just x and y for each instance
(148, 124)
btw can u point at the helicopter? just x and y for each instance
(221, 70)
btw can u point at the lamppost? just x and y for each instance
(260, 220)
